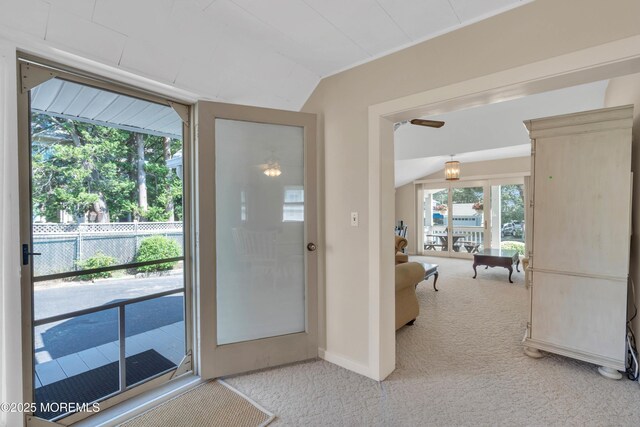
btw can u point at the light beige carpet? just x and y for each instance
(211, 404)
(461, 364)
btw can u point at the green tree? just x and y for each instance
(512, 203)
(460, 195)
(467, 195)
(83, 168)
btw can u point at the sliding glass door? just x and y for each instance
(435, 220)
(508, 229)
(103, 226)
(468, 219)
(463, 218)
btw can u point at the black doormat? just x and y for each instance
(97, 383)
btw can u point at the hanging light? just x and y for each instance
(452, 170)
(273, 169)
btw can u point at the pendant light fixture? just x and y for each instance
(452, 170)
(273, 169)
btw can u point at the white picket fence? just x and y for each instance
(62, 246)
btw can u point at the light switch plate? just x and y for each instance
(354, 219)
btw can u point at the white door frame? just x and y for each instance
(609, 60)
(449, 186)
(85, 78)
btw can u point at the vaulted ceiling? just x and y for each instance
(489, 132)
(259, 52)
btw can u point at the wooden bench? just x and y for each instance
(432, 247)
(471, 247)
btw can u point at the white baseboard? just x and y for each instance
(344, 362)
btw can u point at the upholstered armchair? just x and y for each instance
(408, 275)
(401, 243)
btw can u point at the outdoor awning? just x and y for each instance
(60, 98)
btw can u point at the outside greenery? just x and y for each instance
(102, 174)
(155, 248)
(512, 203)
(460, 195)
(99, 260)
(511, 200)
(515, 246)
(88, 173)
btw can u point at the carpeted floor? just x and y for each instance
(460, 364)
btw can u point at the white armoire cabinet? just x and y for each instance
(581, 227)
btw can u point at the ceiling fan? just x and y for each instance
(430, 123)
(420, 122)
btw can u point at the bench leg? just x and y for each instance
(435, 279)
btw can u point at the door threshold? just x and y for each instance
(143, 402)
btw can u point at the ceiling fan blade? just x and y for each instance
(430, 123)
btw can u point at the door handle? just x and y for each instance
(311, 247)
(26, 254)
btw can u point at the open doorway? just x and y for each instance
(519, 82)
(484, 208)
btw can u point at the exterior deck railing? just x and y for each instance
(120, 305)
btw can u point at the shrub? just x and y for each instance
(516, 246)
(98, 260)
(155, 248)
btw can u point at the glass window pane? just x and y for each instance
(508, 217)
(155, 337)
(155, 334)
(106, 186)
(467, 219)
(293, 195)
(76, 360)
(106, 190)
(260, 260)
(293, 212)
(435, 219)
(56, 297)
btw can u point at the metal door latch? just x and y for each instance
(26, 254)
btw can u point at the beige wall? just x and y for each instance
(540, 30)
(406, 208)
(622, 91)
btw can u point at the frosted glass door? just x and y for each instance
(259, 230)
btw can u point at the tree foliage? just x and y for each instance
(460, 195)
(512, 203)
(511, 200)
(81, 167)
(155, 248)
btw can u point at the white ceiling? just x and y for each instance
(269, 53)
(488, 132)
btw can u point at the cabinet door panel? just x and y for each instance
(580, 313)
(582, 187)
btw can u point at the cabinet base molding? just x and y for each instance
(604, 362)
(610, 373)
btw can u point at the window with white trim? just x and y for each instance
(293, 206)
